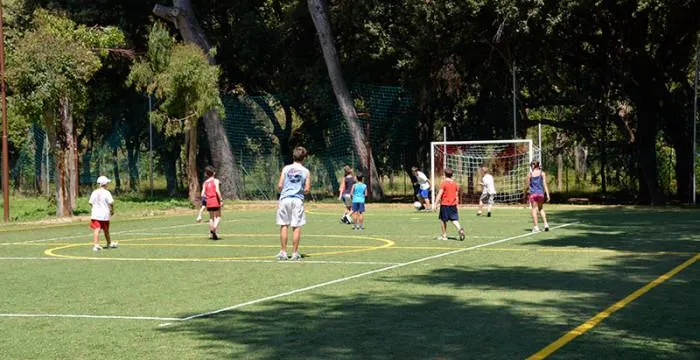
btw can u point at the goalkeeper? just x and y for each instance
(488, 192)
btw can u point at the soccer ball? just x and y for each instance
(417, 205)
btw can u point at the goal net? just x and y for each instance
(508, 161)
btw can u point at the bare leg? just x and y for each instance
(443, 228)
(296, 237)
(481, 207)
(217, 220)
(456, 224)
(533, 210)
(284, 235)
(107, 237)
(96, 236)
(544, 216)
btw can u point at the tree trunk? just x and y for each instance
(132, 159)
(67, 139)
(182, 16)
(645, 145)
(191, 166)
(38, 165)
(342, 94)
(115, 169)
(560, 171)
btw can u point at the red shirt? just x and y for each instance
(210, 193)
(449, 192)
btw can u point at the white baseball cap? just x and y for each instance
(103, 180)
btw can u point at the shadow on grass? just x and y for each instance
(489, 312)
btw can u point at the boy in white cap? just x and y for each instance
(102, 208)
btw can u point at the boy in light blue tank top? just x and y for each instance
(294, 182)
(359, 194)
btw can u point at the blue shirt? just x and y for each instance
(536, 185)
(358, 194)
(294, 180)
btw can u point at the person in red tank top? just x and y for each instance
(214, 201)
(448, 199)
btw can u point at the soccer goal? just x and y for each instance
(508, 161)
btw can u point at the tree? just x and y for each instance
(182, 16)
(317, 9)
(52, 85)
(181, 78)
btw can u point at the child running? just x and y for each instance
(359, 194)
(102, 208)
(211, 193)
(294, 182)
(537, 187)
(488, 192)
(345, 194)
(447, 199)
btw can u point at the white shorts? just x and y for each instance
(291, 212)
(347, 200)
(487, 198)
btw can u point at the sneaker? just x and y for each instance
(488, 214)
(199, 219)
(213, 235)
(113, 245)
(96, 248)
(478, 214)
(441, 237)
(296, 257)
(546, 227)
(282, 256)
(461, 235)
(536, 229)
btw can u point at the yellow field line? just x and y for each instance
(387, 243)
(594, 321)
(561, 250)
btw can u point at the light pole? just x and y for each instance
(5, 165)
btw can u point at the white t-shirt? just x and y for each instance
(488, 187)
(100, 199)
(422, 180)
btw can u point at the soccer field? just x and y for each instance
(606, 282)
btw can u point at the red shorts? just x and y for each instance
(99, 224)
(536, 198)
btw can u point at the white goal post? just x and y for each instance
(507, 160)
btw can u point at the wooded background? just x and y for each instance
(238, 84)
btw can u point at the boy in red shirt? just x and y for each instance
(447, 199)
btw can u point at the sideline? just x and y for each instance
(595, 320)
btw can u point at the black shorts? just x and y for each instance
(448, 213)
(214, 209)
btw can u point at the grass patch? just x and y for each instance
(391, 291)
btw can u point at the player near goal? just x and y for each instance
(423, 187)
(447, 200)
(537, 190)
(488, 192)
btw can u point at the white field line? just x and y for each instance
(93, 316)
(392, 267)
(257, 301)
(88, 235)
(201, 260)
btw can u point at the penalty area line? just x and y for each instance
(332, 282)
